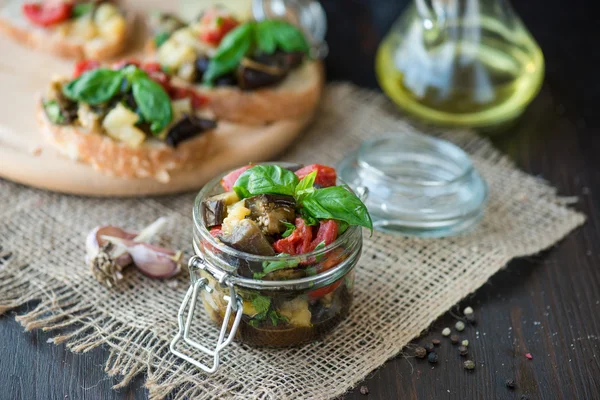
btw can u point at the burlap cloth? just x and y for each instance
(402, 284)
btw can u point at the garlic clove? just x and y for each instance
(94, 242)
(152, 261)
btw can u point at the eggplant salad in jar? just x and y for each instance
(290, 237)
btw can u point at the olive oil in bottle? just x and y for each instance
(469, 63)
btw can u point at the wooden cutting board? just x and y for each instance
(26, 158)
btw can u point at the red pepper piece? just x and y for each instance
(215, 25)
(328, 230)
(150, 67)
(326, 176)
(229, 180)
(197, 99)
(216, 231)
(331, 260)
(299, 242)
(47, 13)
(84, 66)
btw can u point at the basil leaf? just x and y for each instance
(265, 40)
(308, 219)
(230, 52)
(269, 267)
(53, 112)
(342, 227)
(290, 229)
(337, 203)
(287, 36)
(261, 304)
(153, 102)
(263, 179)
(276, 318)
(82, 9)
(160, 38)
(94, 87)
(305, 186)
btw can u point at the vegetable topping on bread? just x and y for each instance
(128, 120)
(253, 72)
(128, 103)
(88, 29)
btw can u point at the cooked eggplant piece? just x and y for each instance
(201, 65)
(270, 211)
(253, 78)
(226, 80)
(247, 236)
(188, 127)
(286, 61)
(214, 209)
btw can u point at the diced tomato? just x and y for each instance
(326, 176)
(215, 24)
(299, 242)
(47, 13)
(83, 66)
(216, 231)
(328, 230)
(329, 261)
(180, 93)
(229, 180)
(151, 67)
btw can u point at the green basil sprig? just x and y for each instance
(262, 305)
(265, 179)
(81, 9)
(53, 111)
(100, 85)
(94, 87)
(267, 36)
(336, 202)
(305, 186)
(230, 52)
(271, 266)
(154, 103)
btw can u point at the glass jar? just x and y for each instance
(418, 185)
(309, 303)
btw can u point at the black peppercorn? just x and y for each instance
(454, 339)
(510, 383)
(463, 350)
(432, 357)
(469, 364)
(428, 347)
(420, 352)
(364, 390)
(436, 342)
(470, 318)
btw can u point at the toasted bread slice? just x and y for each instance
(152, 159)
(298, 94)
(100, 36)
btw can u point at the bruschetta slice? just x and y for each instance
(252, 72)
(127, 120)
(92, 29)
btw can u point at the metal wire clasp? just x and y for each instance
(234, 303)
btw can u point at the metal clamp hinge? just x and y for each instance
(234, 303)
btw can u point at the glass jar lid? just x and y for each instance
(418, 185)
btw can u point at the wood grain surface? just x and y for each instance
(547, 305)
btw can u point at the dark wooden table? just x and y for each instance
(547, 305)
